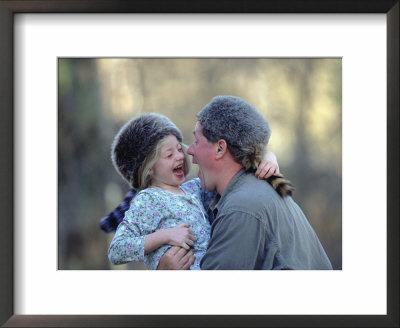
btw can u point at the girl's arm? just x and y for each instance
(127, 244)
(134, 237)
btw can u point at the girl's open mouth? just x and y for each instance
(178, 171)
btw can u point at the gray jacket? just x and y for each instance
(256, 229)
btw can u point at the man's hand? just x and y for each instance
(176, 258)
(181, 236)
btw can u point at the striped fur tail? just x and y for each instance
(110, 222)
(282, 186)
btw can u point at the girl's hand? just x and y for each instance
(268, 167)
(181, 236)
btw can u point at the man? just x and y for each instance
(255, 227)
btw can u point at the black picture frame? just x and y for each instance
(8, 199)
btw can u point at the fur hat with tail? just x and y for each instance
(136, 140)
(282, 186)
(237, 122)
(246, 132)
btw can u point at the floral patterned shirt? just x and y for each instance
(153, 209)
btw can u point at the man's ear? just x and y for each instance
(221, 148)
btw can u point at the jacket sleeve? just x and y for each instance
(128, 242)
(237, 243)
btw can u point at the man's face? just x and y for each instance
(203, 153)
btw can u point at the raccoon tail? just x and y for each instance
(110, 222)
(282, 186)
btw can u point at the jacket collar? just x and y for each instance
(219, 199)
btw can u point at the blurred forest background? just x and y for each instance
(300, 98)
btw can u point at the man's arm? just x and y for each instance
(176, 258)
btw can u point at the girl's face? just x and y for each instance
(168, 171)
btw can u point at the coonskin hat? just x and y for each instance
(240, 125)
(136, 140)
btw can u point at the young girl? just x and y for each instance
(149, 155)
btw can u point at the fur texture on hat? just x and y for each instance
(237, 122)
(136, 140)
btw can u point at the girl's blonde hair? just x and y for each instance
(151, 159)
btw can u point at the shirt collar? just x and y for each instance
(219, 199)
